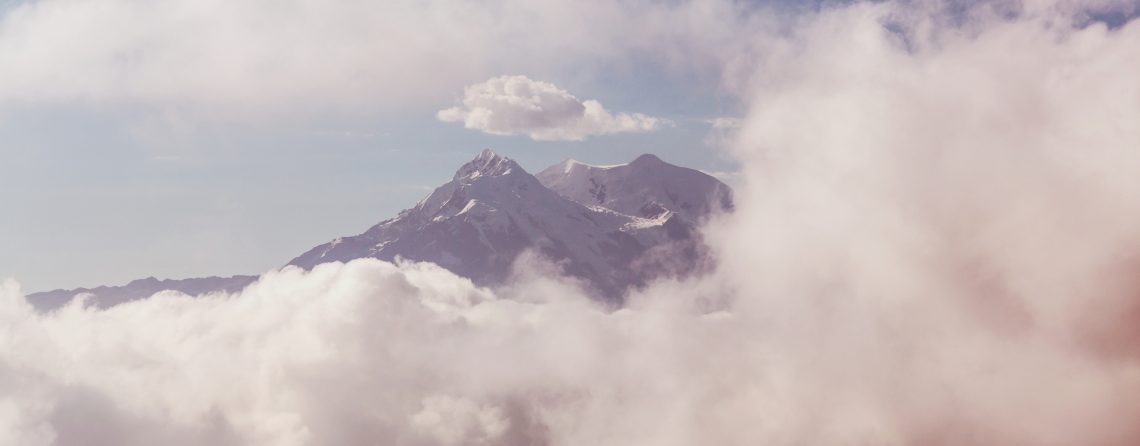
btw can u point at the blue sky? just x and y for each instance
(102, 187)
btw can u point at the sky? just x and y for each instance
(934, 238)
(158, 148)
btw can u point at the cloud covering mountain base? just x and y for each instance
(351, 353)
(935, 243)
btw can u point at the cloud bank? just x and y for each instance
(511, 105)
(347, 354)
(935, 243)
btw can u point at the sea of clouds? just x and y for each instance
(936, 242)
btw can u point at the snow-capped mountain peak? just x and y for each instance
(488, 163)
(612, 226)
(492, 210)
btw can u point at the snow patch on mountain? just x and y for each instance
(646, 187)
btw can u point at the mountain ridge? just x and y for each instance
(492, 210)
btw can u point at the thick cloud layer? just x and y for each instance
(935, 243)
(350, 354)
(256, 58)
(509, 105)
(941, 221)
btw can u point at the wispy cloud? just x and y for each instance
(724, 123)
(307, 57)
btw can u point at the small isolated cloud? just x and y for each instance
(518, 105)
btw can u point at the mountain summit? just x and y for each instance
(614, 227)
(488, 164)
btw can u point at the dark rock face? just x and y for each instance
(614, 227)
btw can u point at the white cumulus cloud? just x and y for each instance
(514, 105)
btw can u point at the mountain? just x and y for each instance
(108, 296)
(614, 227)
(492, 210)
